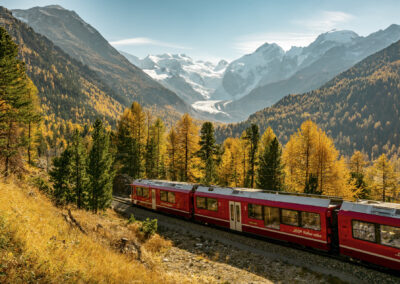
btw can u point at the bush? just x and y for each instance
(148, 227)
(41, 184)
(131, 219)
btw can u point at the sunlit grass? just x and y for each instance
(37, 244)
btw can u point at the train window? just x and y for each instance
(290, 217)
(390, 236)
(232, 213)
(163, 195)
(255, 211)
(311, 221)
(142, 191)
(201, 203)
(271, 217)
(364, 231)
(171, 197)
(212, 204)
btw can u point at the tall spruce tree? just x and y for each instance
(61, 176)
(78, 165)
(207, 151)
(16, 107)
(150, 159)
(100, 169)
(270, 170)
(253, 136)
(128, 156)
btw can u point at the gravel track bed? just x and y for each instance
(269, 260)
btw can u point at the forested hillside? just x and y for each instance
(67, 89)
(359, 108)
(84, 43)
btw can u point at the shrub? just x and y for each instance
(131, 219)
(41, 184)
(148, 227)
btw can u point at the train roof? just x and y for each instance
(373, 207)
(165, 183)
(319, 201)
(279, 196)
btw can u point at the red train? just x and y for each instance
(368, 231)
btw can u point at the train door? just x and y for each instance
(235, 215)
(153, 199)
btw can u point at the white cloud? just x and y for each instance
(250, 43)
(145, 41)
(325, 21)
(310, 29)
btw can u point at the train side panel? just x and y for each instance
(371, 238)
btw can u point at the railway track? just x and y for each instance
(318, 262)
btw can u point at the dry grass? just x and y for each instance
(38, 245)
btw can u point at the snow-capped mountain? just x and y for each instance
(312, 66)
(191, 80)
(270, 63)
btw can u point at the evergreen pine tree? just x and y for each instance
(253, 136)
(207, 151)
(78, 165)
(16, 105)
(127, 152)
(100, 169)
(61, 176)
(270, 171)
(150, 159)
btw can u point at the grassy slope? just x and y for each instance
(37, 244)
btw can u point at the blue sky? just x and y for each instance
(221, 29)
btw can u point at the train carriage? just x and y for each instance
(370, 231)
(169, 197)
(297, 219)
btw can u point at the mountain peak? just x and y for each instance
(58, 7)
(268, 47)
(342, 36)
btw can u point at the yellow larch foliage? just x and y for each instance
(358, 161)
(230, 172)
(188, 145)
(311, 153)
(383, 180)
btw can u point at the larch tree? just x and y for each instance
(159, 140)
(357, 164)
(207, 152)
(32, 119)
(265, 140)
(100, 169)
(297, 156)
(383, 179)
(313, 165)
(253, 137)
(188, 137)
(230, 171)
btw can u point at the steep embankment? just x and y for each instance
(39, 244)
